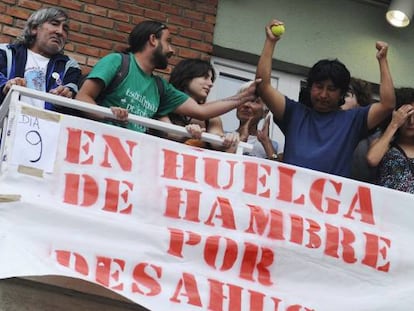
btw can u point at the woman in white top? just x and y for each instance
(249, 115)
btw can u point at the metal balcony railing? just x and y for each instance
(103, 112)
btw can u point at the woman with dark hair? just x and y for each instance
(196, 77)
(393, 152)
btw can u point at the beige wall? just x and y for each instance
(315, 29)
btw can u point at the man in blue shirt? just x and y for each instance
(318, 134)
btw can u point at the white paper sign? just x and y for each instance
(35, 142)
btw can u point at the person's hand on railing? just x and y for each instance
(231, 142)
(11, 82)
(120, 114)
(62, 90)
(195, 130)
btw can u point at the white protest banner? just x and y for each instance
(173, 227)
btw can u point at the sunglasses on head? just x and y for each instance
(160, 28)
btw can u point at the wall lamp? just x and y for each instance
(400, 12)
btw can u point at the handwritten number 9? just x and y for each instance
(34, 138)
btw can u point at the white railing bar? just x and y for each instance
(104, 112)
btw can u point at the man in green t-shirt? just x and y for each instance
(138, 93)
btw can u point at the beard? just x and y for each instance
(159, 58)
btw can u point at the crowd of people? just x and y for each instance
(336, 126)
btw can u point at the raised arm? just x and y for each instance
(264, 138)
(378, 149)
(216, 108)
(274, 100)
(379, 111)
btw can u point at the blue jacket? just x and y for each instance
(64, 65)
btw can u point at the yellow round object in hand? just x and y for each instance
(278, 30)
